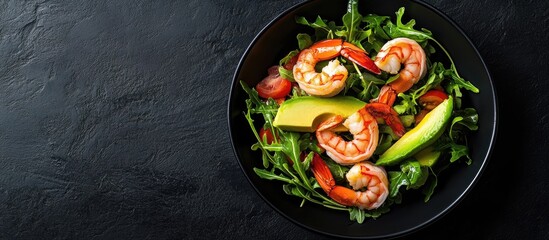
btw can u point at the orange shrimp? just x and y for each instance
(331, 80)
(364, 175)
(362, 125)
(399, 51)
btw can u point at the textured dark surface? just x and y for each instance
(113, 121)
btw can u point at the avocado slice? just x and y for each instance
(427, 157)
(304, 114)
(424, 134)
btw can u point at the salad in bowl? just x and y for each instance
(360, 114)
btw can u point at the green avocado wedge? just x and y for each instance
(304, 114)
(427, 157)
(424, 134)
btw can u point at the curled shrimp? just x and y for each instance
(331, 80)
(397, 52)
(362, 125)
(363, 175)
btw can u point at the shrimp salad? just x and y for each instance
(368, 160)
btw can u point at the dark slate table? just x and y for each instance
(113, 121)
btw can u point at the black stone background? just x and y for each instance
(113, 121)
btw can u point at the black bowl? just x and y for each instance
(278, 38)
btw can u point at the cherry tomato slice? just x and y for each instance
(273, 86)
(432, 98)
(273, 70)
(266, 133)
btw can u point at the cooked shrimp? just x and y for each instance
(331, 80)
(399, 51)
(365, 133)
(364, 175)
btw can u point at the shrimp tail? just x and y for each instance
(359, 57)
(330, 123)
(386, 95)
(322, 173)
(327, 182)
(389, 115)
(343, 195)
(327, 49)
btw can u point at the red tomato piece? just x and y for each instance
(266, 133)
(273, 86)
(432, 98)
(273, 70)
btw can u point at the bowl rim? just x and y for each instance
(400, 233)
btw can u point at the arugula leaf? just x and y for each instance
(298, 92)
(338, 171)
(365, 85)
(294, 190)
(417, 175)
(411, 175)
(288, 57)
(385, 141)
(287, 74)
(309, 143)
(458, 151)
(271, 175)
(377, 36)
(458, 82)
(323, 29)
(406, 30)
(357, 214)
(396, 180)
(352, 81)
(351, 22)
(434, 78)
(385, 129)
(407, 105)
(468, 117)
(304, 41)
(430, 187)
(291, 145)
(392, 78)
